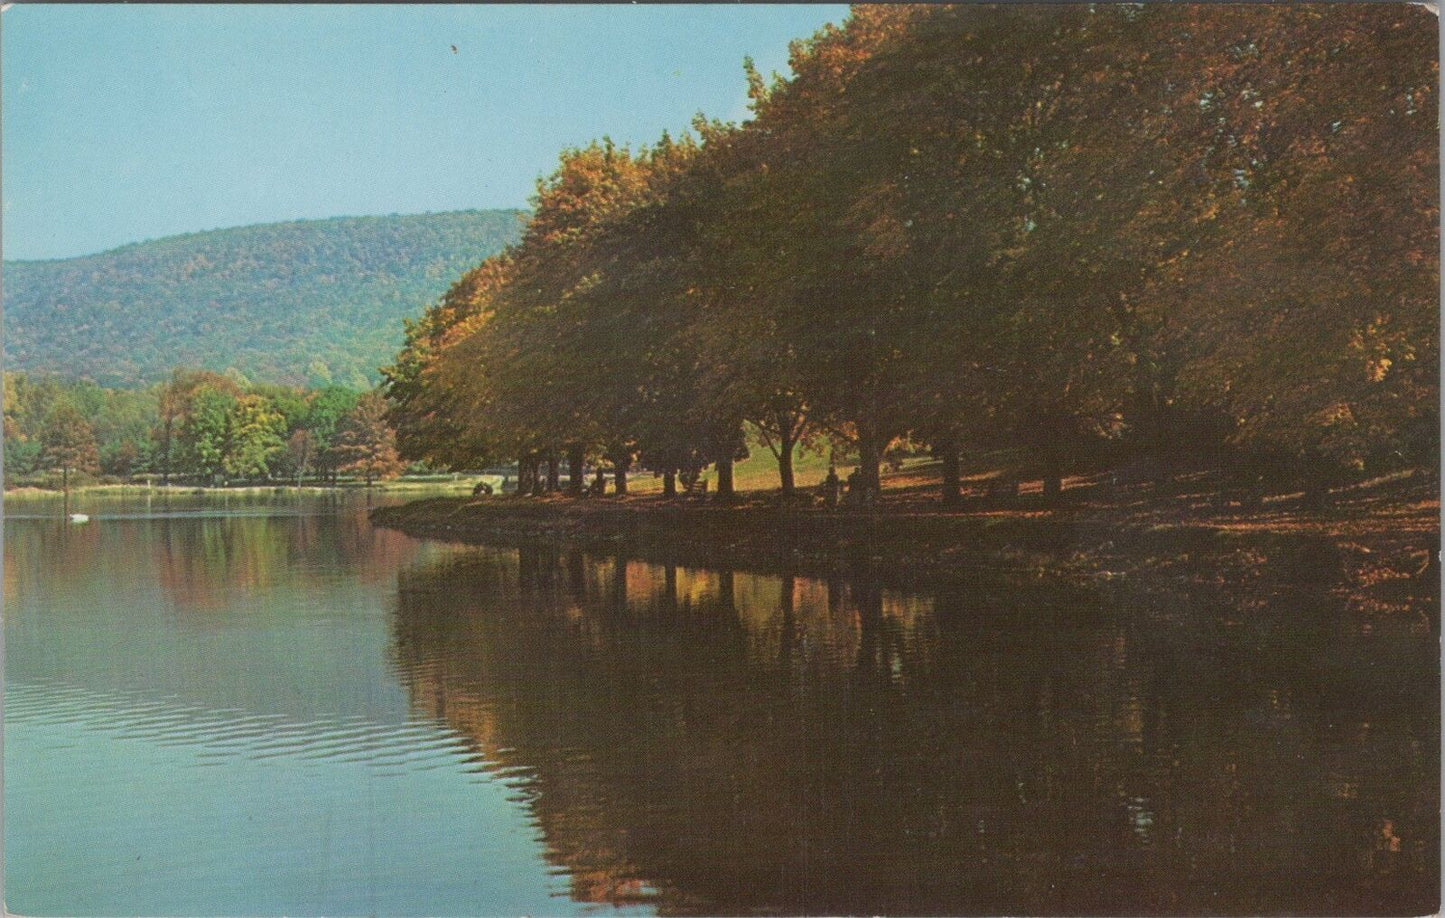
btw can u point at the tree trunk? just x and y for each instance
(951, 492)
(575, 456)
(785, 468)
(868, 458)
(725, 479)
(619, 474)
(669, 484)
(554, 475)
(525, 474)
(166, 454)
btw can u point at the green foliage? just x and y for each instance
(309, 302)
(21, 457)
(253, 437)
(205, 438)
(291, 403)
(326, 408)
(325, 411)
(120, 422)
(198, 425)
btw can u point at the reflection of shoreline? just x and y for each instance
(738, 743)
(196, 608)
(724, 611)
(1382, 554)
(203, 552)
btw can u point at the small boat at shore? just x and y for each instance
(79, 518)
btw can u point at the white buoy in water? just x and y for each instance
(79, 518)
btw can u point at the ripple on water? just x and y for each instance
(221, 734)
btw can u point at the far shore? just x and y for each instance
(175, 490)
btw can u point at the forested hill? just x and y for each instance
(314, 301)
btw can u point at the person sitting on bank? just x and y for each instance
(831, 487)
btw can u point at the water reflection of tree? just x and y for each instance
(199, 563)
(204, 563)
(728, 743)
(41, 553)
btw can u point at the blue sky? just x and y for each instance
(123, 123)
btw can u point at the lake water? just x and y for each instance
(264, 706)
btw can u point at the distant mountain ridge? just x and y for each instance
(307, 301)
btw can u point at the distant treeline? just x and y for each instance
(1138, 235)
(197, 427)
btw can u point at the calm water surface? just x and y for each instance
(256, 706)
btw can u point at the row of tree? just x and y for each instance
(197, 426)
(1146, 235)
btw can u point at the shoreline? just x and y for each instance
(1369, 547)
(27, 492)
